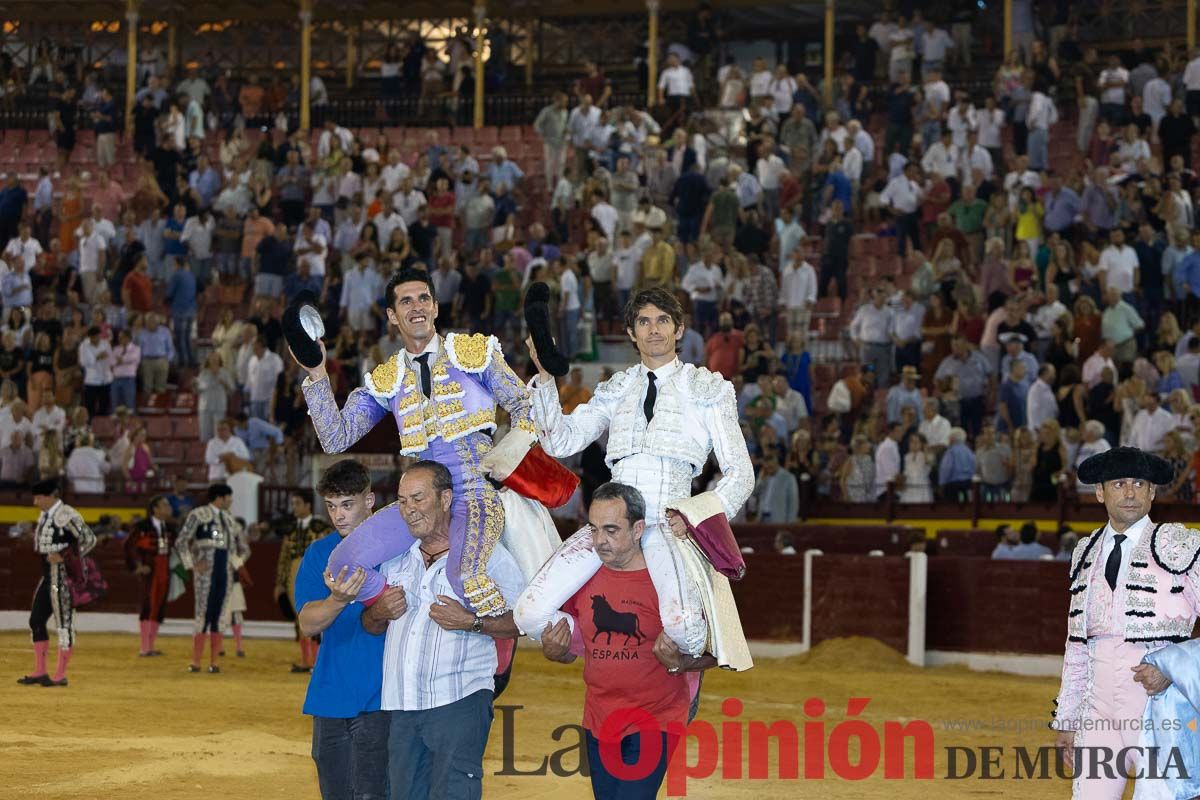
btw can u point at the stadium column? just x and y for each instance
(480, 18)
(1008, 43)
(828, 54)
(652, 55)
(1191, 23)
(131, 59)
(306, 16)
(172, 51)
(351, 54)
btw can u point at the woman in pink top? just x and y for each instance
(139, 464)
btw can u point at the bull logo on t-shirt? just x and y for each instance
(609, 621)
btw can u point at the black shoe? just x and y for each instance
(299, 668)
(241, 653)
(34, 680)
(145, 655)
(63, 682)
(193, 668)
(155, 653)
(221, 653)
(213, 669)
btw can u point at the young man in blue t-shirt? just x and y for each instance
(350, 733)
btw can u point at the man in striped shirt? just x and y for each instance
(439, 659)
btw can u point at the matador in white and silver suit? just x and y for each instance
(662, 424)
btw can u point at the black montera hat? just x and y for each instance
(1126, 462)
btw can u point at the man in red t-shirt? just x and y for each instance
(721, 349)
(632, 670)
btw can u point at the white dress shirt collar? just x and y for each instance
(665, 372)
(1133, 534)
(433, 346)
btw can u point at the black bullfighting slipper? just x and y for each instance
(34, 680)
(63, 682)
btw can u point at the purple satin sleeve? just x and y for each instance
(338, 429)
(380, 538)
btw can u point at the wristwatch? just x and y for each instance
(477, 625)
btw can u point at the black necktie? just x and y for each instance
(426, 378)
(1113, 566)
(651, 396)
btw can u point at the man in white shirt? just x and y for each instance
(1046, 315)
(798, 294)
(605, 215)
(48, 417)
(903, 195)
(86, 467)
(1119, 266)
(770, 171)
(387, 222)
(568, 306)
(975, 158)
(311, 247)
(361, 287)
(92, 251)
(262, 372)
(440, 660)
(1097, 362)
(887, 459)
(871, 330)
(395, 172)
(1151, 424)
(24, 247)
(1040, 403)
(1113, 83)
(408, 202)
(580, 122)
(961, 120)
(676, 85)
(703, 282)
(95, 357)
(935, 44)
(934, 427)
(861, 140)
(760, 81)
(1191, 84)
(1156, 99)
(198, 235)
(1041, 115)
(942, 157)
(221, 445)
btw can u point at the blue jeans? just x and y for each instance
(351, 756)
(182, 326)
(569, 333)
(438, 753)
(606, 786)
(261, 410)
(123, 393)
(1038, 145)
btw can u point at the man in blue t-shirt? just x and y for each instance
(350, 732)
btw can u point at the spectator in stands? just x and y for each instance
(957, 469)
(776, 495)
(1151, 424)
(181, 296)
(1030, 549)
(223, 450)
(137, 467)
(213, 386)
(86, 468)
(871, 329)
(126, 358)
(96, 358)
(887, 459)
(905, 393)
(262, 372)
(137, 293)
(158, 351)
(1008, 543)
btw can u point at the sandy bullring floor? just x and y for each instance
(144, 729)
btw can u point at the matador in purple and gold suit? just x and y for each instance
(468, 378)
